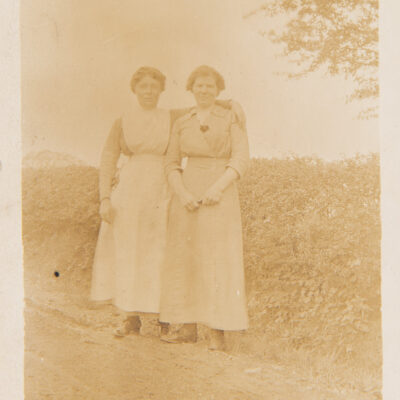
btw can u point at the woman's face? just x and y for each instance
(148, 91)
(205, 91)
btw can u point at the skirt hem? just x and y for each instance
(111, 301)
(207, 324)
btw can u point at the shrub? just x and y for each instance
(311, 243)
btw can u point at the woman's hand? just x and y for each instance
(106, 213)
(212, 196)
(188, 201)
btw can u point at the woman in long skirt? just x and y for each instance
(203, 274)
(131, 242)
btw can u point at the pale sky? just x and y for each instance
(78, 57)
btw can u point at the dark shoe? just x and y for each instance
(164, 328)
(217, 340)
(186, 334)
(130, 325)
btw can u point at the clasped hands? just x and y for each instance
(211, 197)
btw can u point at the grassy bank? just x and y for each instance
(312, 256)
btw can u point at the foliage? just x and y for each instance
(340, 35)
(312, 251)
(57, 198)
(60, 217)
(311, 245)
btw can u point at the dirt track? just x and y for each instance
(72, 354)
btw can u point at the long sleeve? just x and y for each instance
(240, 157)
(109, 159)
(176, 113)
(173, 158)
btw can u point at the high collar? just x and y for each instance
(138, 109)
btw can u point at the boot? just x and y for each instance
(186, 334)
(131, 324)
(217, 340)
(164, 328)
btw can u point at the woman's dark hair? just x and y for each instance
(147, 71)
(205, 70)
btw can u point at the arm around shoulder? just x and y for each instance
(240, 156)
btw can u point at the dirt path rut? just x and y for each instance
(69, 357)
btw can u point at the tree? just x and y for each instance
(338, 35)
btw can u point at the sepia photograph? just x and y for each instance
(201, 199)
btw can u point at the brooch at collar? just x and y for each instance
(204, 128)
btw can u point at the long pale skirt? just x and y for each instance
(130, 251)
(203, 273)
